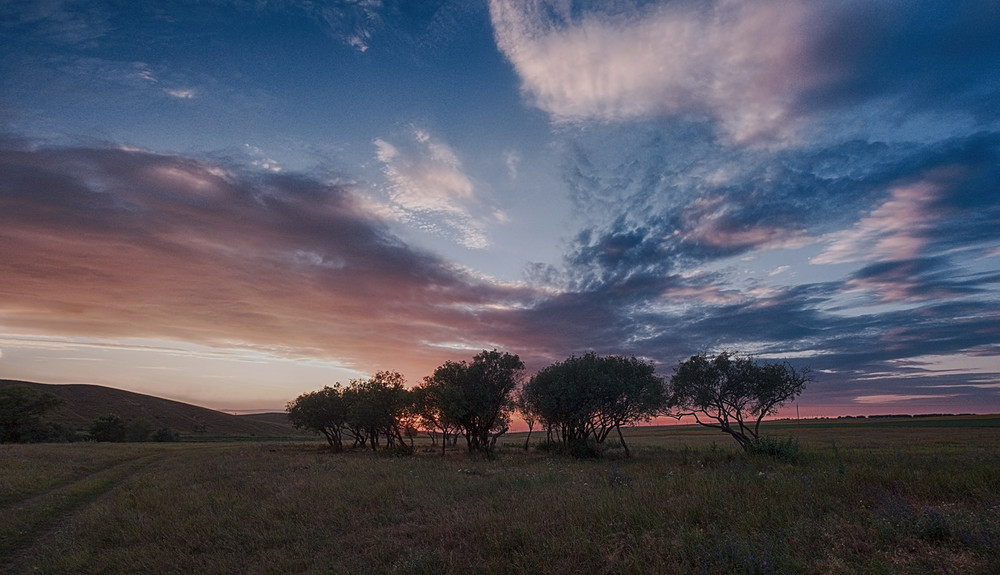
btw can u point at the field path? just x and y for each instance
(29, 520)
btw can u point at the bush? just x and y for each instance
(780, 449)
(165, 434)
(138, 430)
(109, 427)
(61, 433)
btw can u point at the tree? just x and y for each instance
(21, 412)
(138, 430)
(426, 400)
(109, 427)
(323, 412)
(733, 393)
(477, 397)
(377, 408)
(632, 392)
(367, 410)
(528, 414)
(589, 396)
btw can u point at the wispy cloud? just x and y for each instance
(761, 69)
(898, 398)
(895, 230)
(181, 93)
(429, 188)
(735, 61)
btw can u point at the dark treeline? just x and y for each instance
(473, 399)
(22, 420)
(578, 403)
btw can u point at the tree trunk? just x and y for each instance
(745, 442)
(619, 428)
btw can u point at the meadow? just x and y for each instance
(911, 496)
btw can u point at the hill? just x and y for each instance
(85, 403)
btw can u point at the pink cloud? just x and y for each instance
(896, 230)
(709, 221)
(127, 244)
(741, 62)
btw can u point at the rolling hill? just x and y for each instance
(84, 403)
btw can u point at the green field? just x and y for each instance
(894, 496)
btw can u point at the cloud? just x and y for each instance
(897, 398)
(261, 160)
(181, 93)
(512, 159)
(895, 230)
(734, 61)
(708, 221)
(763, 70)
(430, 189)
(112, 243)
(669, 210)
(427, 177)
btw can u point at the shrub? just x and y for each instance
(109, 427)
(165, 434)
(138, 430)
(780, 449)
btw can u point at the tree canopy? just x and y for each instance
(323, 412)
(477, 396)
(732, 392)
(21, 411)
(110, 427)
(590, 396)
(370, 411)
(376, 409)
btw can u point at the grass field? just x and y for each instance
(914, 496)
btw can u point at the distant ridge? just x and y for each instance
(85, 403)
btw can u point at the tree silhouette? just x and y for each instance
(733, 393)
(368, 410)
(323, 412)
(477, 396)
(589, 396)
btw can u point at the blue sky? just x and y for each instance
(231, 203)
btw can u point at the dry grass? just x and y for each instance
(918, 499)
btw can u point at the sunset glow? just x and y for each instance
(231, 203)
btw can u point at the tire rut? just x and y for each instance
(26, 521)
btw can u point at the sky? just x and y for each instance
(233, 202)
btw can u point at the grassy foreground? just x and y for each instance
(919, 498)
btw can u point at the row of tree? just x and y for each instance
(473, 399)
(579, 402)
